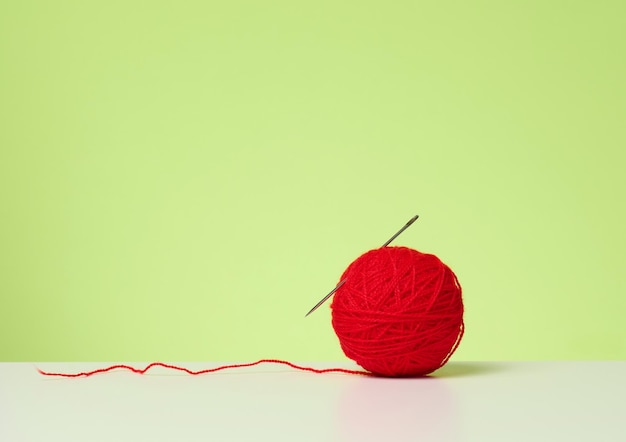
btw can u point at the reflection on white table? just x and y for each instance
(464, 401)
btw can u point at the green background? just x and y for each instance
(183, 180)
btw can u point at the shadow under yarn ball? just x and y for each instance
(399, 313)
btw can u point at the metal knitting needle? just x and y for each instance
(325, 298)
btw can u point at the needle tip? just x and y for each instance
(411, 221)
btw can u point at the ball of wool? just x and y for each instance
(399, 312)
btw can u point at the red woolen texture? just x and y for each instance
(399, 313)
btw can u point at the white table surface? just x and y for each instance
(464, 401)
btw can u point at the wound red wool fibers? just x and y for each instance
(399, 313)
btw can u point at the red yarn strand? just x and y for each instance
(204, 371)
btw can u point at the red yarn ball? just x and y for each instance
(399, 313)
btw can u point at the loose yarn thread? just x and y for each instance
(204, 371)
(399, 313)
